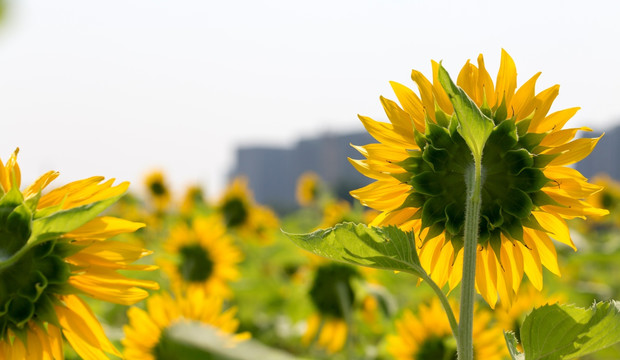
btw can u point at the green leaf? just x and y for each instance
(190, 341)
(382, 248)
(474, 127)
(511, 342)
(64, 221)
(566, 332)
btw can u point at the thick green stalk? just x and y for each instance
(465, 341)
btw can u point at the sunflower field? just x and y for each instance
(475, 240)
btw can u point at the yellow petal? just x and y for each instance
(522, 98)
(411, 103)
(485, 84)
(555, 121)
(506, 79)
(573, 152)
(426, 93)
(102, 228)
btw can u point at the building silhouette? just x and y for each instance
(272, 172)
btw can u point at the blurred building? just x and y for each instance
(272, 172)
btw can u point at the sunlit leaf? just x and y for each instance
(381, 248)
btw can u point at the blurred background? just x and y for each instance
(119, 88)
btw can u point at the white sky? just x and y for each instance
(119, 87)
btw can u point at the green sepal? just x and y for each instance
(383, 248)
(32, 202)
(402, 177)
(485, 108)
(475, 127)
(427, 184)
(433, 231)
(531, 180)
(19, 222)
(542, 160)
(531, 140)
(35, 287)
(441, 117)
(419, 138)
(438, 136)
(522, 126)
(493, 215)
(501, 112)
(411, 164)
(512, 228)
(64, 248)
(437, 159)
(64, 221)
(433, 211)
(20, 311)
(554, 332)
(516, 160)
(532, 223)
(455, 219)
(46, 311)
(504, 136)
(413, 200)
(517, 203)
(540, 198)
(56, 269)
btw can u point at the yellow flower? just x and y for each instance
(333, 296)
(528, 190)
(307, 188)
(236, 204)
(206, 256)
(428, 336)
(608, 198)
(263, 224)
(158, 190)
(54, 248)
(194, 199)
(146, 335)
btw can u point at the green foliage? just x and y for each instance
(474, 126)
(382, 248)
(554, 332)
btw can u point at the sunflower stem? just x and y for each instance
(454, 326)
(465, 341)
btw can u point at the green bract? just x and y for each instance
(32, 252)
(512, 178)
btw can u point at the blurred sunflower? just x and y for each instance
(236, 204)
(333, 297)
(528, 191)
(158, 190)
(263, 225)
(334, 212)
(193, 200)
(428, 336)
(53, 248)
(307, 190)
(608, 198)
(147, 334)
(206, 256)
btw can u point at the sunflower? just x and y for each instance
(307, 190)
(206, 256)
(158, 190)
(147, 334)
(608, 198)
(193, 200)
(333, 297)
(428, 337)
(528, 190)
(236, 204)
(54, 248)
(263, 224)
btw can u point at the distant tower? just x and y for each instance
(273, 172)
